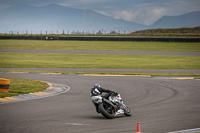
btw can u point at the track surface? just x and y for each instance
(159, 104)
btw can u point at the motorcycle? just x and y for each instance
(111, 107)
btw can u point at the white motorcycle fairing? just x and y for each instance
(96, 99)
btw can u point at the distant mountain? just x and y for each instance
(58, 18)
(186, 20)
(55, 18)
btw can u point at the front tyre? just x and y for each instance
(127, 112)
(106, 110)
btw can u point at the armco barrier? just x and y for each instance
(29, 37)
(104, 38)
(4, 85)
(157, 39)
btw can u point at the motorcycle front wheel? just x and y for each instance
(106, 110)
(127, 112)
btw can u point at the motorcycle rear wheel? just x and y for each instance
(106, 111)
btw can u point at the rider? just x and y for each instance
(96, 91)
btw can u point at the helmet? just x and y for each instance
(97, 86)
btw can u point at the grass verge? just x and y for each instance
(99, 45)
(56, 60)
(23, 86)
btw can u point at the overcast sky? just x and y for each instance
(140, 11)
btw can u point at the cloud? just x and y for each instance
(148, 11)
(142, 13)
(153, 15)
(126, 15)
(178, 7)
(147, 16)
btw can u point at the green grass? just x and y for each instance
(23, 86)
(99, 45)
(56, 60)
(174, 32)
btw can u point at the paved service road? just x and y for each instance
(160, 105)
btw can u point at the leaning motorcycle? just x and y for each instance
(112, 107)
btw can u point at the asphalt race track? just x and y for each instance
(160, 105)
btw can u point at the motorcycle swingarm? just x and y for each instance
(110, 103)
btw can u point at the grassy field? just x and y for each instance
(23, 86)
(174, 32)
(99, 45)
(56, 60)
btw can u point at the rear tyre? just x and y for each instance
(106, 111)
